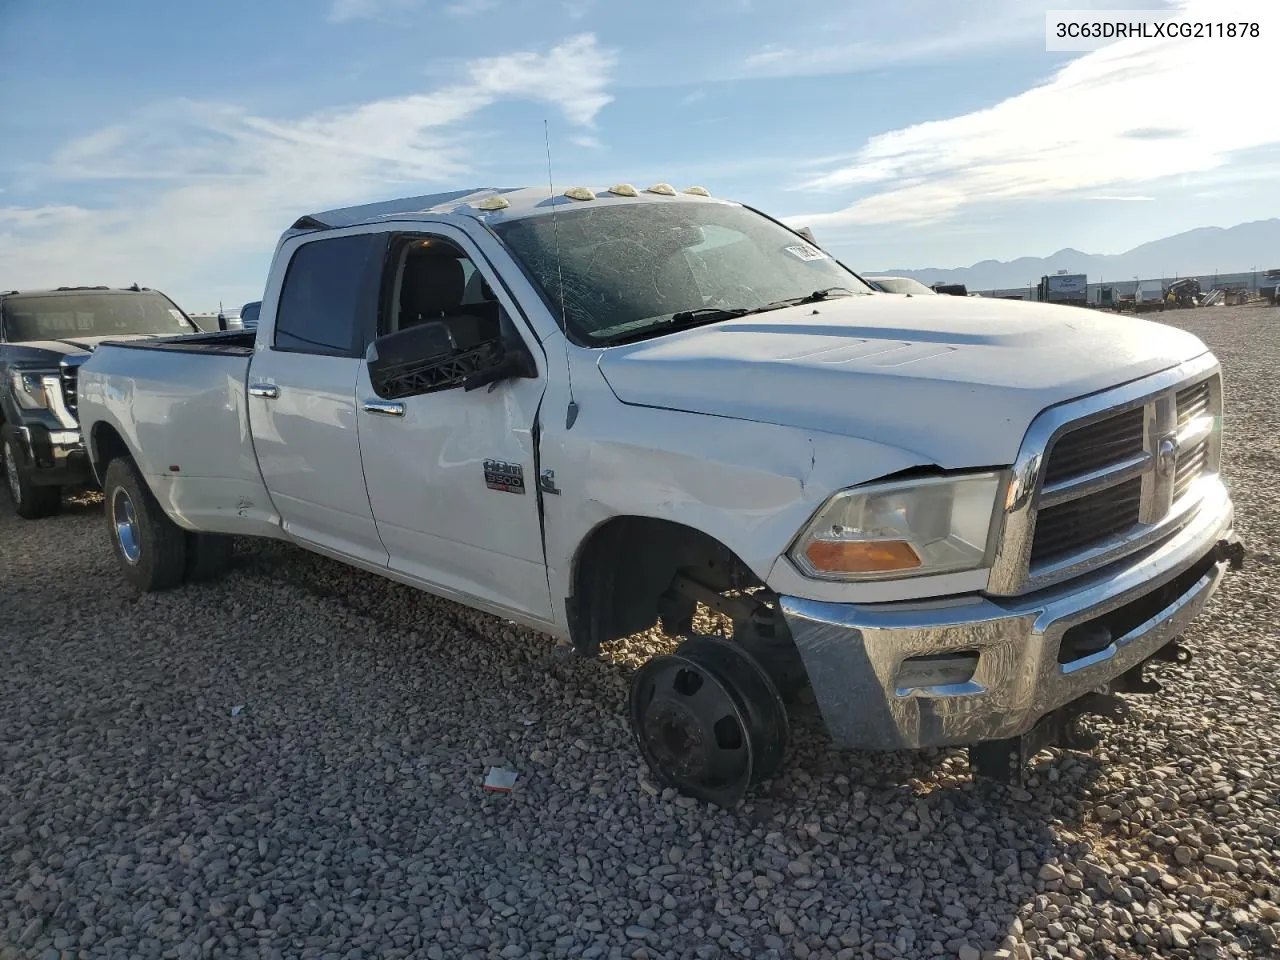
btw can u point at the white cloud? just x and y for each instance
(219, 182)
(341, 11)
(574, 76)
(20, 218)
(587, 142)
(853, 37)
(470, 8)
(1131, 113)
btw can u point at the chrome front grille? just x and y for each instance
(68, 411)
(1075, 524)
(70, 376)
(1192, 465)
(1108, 475)
(1096, 446)
(1194, 401)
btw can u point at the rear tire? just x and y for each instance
(208, 556)
(151, 548)
(30, 502)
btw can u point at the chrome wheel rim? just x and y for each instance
(11, 471)
(125, 520)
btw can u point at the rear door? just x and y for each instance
(302, 381)
(452, 474)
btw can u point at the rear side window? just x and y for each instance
(326, 295)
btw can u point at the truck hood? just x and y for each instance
(51, 351)
(955, 380)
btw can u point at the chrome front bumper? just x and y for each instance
(857, 655)
(53, 457)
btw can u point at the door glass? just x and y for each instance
(322, 295)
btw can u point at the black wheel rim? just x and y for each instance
(762, 707)
(691, 730)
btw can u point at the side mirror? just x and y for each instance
(515, 362)
(808, 235)
(426, 358)
(411, 361)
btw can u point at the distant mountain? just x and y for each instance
(1196, 253)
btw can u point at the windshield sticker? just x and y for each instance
(177, 315)
(807, 252)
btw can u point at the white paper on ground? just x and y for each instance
(500, 780)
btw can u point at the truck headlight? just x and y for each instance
(901, 529)
(29, 388)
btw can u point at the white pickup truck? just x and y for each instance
(959, 521)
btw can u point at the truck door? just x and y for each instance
(302, 383)
(451, 474)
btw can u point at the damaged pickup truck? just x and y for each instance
(960, 521)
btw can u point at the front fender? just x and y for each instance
(750, 486)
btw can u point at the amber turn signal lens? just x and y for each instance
(861, 556)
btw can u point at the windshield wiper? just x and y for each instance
(709, 314)
(683, 320)
(816, 297)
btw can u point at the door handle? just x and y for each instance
(384, 407)
(267, 391)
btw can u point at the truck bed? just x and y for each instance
(180, 405)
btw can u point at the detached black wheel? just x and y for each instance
(151, 548)
(30, 502)
(708, 720)
(761, 701)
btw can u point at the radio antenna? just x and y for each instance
(571, 414)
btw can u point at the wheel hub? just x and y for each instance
(125, 520)
(677, 739)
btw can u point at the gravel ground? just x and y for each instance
(340, 813)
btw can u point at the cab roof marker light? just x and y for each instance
(698, 191)
(494, 202)
(579, 193)
(666, 189)
(624, 190)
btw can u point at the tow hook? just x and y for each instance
(1230, 551)
(1007, 760)
(1135, 680)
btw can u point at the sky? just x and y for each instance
(170, 144)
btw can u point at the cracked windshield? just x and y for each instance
(633, 271)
